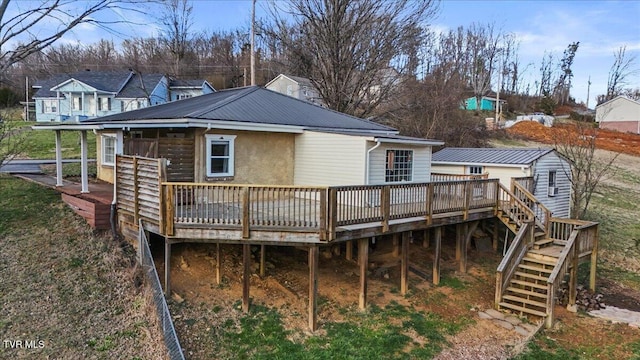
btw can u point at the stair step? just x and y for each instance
(539, 259)
(539, 234)
(527, 292)
(536, 268)
(539, 243)
(529, 284)
(523, 309)
(525, 301)
(531, 276)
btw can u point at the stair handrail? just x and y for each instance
(541, 212)
(557, 275)
(516, 252)
(513, 200)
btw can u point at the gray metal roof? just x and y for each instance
(515, 156)
(135, 89)
(253, 105)
(196, 83)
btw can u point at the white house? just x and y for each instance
(297, 87)
(548, 171)
(620, 114)
(90, 94)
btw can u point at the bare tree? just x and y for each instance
(578, 145)
(33, 29)
(177, 19)
(483, 48)
(348, 47)
(563, 84)
(620, 71)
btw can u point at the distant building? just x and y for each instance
(620, 114)
(90, 94)
(486, 103)
(297, 87)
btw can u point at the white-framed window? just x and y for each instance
(290, 90)
(108, 150)
(183, 96)
(220, 155)
(104, 104)
(77, 103)
(553, 185)
(474, 170)
(399, 166)
(49, 106)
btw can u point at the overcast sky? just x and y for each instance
(601, 27)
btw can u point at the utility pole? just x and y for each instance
(26, 99)
(253, 40)
(588, 89)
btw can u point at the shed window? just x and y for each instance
(108, 150)
(474, 170)
(553, 186)
(220, 155)
(399, 166)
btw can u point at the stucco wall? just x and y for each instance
(329, 159)
(260, 157)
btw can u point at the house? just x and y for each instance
(548, 171)
(90, 94)
(253, 167)
(297, 87)
(487, 103)
(620, 114)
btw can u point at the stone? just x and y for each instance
(484, 315)
(513, 320)
(522, 331)
(503, 324)
(177, 298)
(528, 327)
(495, 314)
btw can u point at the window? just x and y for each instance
(474, 170)
(399, 165)
(77, 103)
(220, 155)
(553, 186)
(49, 106)
(108, 150)
(183, 96)
(104, 104)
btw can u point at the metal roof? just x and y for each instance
(249, 105)
(511, 156)
(134, 89)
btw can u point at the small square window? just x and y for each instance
(220, 155)
(474, 170)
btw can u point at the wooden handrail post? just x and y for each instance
(245, 212)
(467, 199)
(324, 235)
(169, 203)
(332, 215)
(430, 203)
(498, 295)
(594, 259)
(550, 305)
(386, 207)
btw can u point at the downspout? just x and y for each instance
(366, 165)
(117, 150)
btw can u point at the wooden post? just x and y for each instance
(459, 230)
(363, 255)
(313, 287)
(169, 210)
(573, 278)
(396, 244)
(262, 259)
(84, 161)
(332, 215)
(349, 250)
(386, 207)
(167, 267)
(245, 213)
(426, 238)
(430, 204)
(404, 268)
(462, 265)
(437, 235)
(59, 158)
(496, 224)
(594, 259)
(246, 275)
(218, 264)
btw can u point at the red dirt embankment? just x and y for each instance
(605, 139)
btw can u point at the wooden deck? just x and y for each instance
(94, 206)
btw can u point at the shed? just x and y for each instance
(548, 171)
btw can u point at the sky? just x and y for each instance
(540, 26)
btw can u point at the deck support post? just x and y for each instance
(246, 275)
(426, 238)
(363, 255)
(218, 264)
(262, 259)
(84, 160)
(459, 237)
(404, 268)
(594, 261)
(348, 254)
(496, 224)
(167, 267)
(573, 279)
(396, 244)
(313, 287)
(437, 239)
(59, 158)
(463, 235)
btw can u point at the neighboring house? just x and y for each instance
(297, 87)
(620, 114)
(90, 94)
(486, 103)
(548, 170)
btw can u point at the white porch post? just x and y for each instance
(59, 158)
(95, 103)
(83, 161)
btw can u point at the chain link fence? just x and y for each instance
(149, 269)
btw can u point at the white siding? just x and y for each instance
(495, 172)
(619, 109)
(377, 160)
(329, 159)
(559, 204)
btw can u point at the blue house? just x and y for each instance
(90, 94)
(486, 103)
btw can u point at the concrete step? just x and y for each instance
(521, 309)
(513, 298)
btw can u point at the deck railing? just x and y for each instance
(518, 249)
(437, 177)
(515, 208)
(542, 213)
